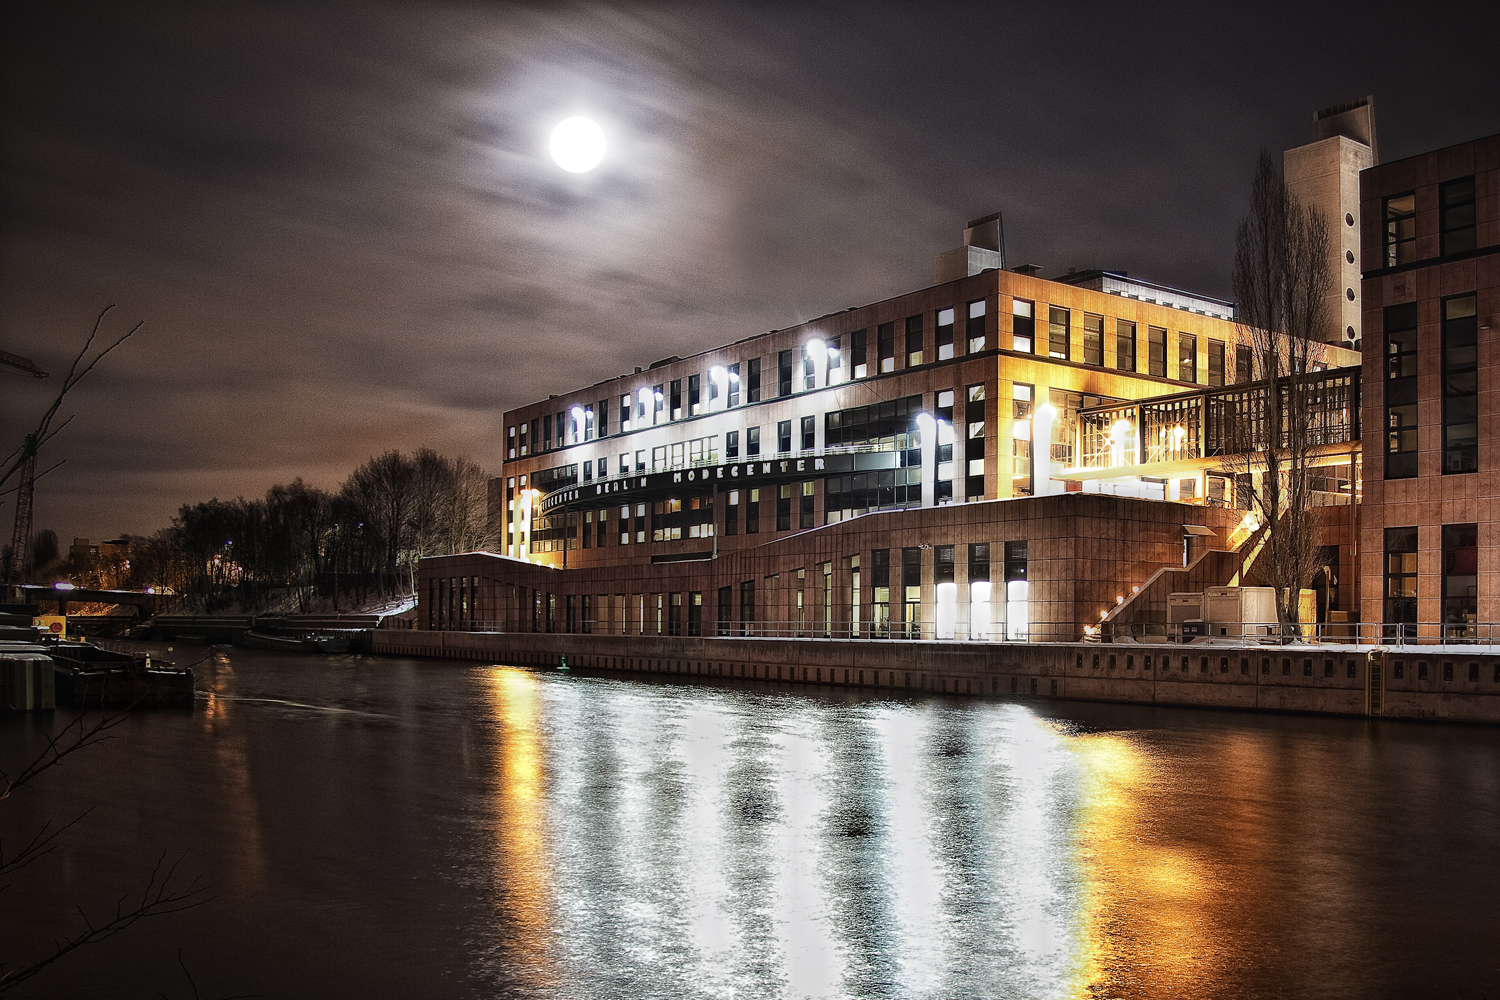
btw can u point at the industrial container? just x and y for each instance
(1236, 611)
(1184, 607)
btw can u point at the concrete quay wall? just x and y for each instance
(1435, 682)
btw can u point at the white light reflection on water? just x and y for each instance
(712, 842)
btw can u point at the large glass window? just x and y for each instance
(1400, 229)
(783, 436)
(1023, 325)
(734, 384)
(857, 347)
(752, 382)
(1017, 592)
(911, 591)
(1400, 574)
(695, 395)
(1020, 432)
(1457, 198)
(807, 507)
(784, 373)
(1460, 576)
(1093, 339)
(675, 394)
(979, 591)
(974, 418)
(880, 593)
(1244, 364)
(1059, 324)
(943, 479)
(1124, 345)
(1460, 385)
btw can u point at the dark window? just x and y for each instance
(809, 433)
(806, 510)
(752, 513)
(1156, 351)
(974, 327)
(726, 609)
(1458, 215)
(1244, 364)
(1023, 326)
(979, 563)
(784, 507)
(675, 394)
(747, 607)
(752, 442)
(1187, 357)
(734, 385)
(1401, 391)
(913, 341)
(731, 444)
(601, 418)
(695, 395)
(1059, 324)
(1400, 229)
(859, 364)
(880, 593)
(674, 614)
(783, 436)
(943, 338)
(885, 343)
(1124, 345)
(911, 591)
(1400, 574)
(943, 568)
(1460, 575)
(1215, 362)
(1015, 561)
(546, 433)
(732, 514)
(784, 373)
(974, 435)
(1460, 385)
(809, 367)
(1093, 339)
(752, 382)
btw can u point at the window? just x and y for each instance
(911, 591)
(601, 419)
(880, 593)
(695, 395)
(860, 364)
(510, 443)
(1124, 345)
(1401, 391)
(1243, 364)
(731, 445)
(1460, 385)
(1021, 405)
(625, 413)
(1400, 574)
(1460, 577)
(975, 327)
(913, 341)
(1400, 229)
(1058, 331)
(732, 514)
(747, 607)
(752, 384)
(1457, 199)
(546, 433)
(945, 427)
(943, 340)
(809, 433)
(805, 511)
(783, 437)
(1017, 591)
(974, 419)
(1187, 357)
(674, 395)
(659, 404)
(1156, 351)
(752, 513)
(784, 373)
(1023, 325)
(835, 372)
(809, 368)
(1093, 339)
(784, 507)
(885, 343)
(1215, 362)
(979, 591)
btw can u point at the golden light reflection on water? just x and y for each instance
(523, 864)
(1151, 921)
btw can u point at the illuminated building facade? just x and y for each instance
(1431, 515)
(972, 460)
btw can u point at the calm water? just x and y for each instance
(393, 828)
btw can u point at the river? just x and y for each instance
(378, 827)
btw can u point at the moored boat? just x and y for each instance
(312, 642)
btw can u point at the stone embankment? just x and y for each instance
(1435, 682)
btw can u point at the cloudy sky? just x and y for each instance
(342, 229)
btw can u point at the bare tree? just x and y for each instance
(1281, 276)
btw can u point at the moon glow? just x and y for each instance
(577, 145)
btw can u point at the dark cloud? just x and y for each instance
(345, 235)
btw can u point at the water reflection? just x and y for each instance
(710, 842)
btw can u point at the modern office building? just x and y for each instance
(1431, 514)
(999, 456)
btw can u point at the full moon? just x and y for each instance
(577, 145)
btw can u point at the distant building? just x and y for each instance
(1430, 238)
(1324, 174)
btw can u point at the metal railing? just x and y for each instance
(742, 630)
(1322, 633)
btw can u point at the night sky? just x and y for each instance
(344, 232)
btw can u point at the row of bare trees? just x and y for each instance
(299, 546)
